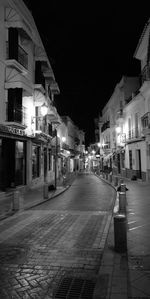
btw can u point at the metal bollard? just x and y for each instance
(121, 181)
(123, 188)
(120, 233)
(45, 190)
(122, 202)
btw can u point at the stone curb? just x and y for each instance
(11, 212)
(47, 199)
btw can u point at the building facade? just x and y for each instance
(125, 121)
(27, 86)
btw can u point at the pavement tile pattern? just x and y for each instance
(41, 248)
(129, 272)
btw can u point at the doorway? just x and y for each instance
(138, 161)
(13, 163)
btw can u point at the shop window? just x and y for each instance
(35, 161)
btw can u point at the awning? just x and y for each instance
(19, 84)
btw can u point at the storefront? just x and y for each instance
(12, 157)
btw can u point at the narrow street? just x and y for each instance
(54, 250)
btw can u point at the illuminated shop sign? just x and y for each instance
(12, 130)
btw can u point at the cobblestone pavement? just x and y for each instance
(45, 250)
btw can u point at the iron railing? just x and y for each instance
(145, 120)
(19, 115)
(133, 134)
(21, 57)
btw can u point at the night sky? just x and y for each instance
(90, 48)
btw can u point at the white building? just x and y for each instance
(130, 125)
(27, 82)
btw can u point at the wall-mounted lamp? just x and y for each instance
(63, 139)
(44, 109)
(118, 130)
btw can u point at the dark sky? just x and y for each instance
(90, 48)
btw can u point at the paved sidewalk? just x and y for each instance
(32, 197)
(127, 275)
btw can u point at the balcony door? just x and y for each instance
(15, 105)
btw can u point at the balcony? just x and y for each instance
(134, 94)
(145, 75)
(40, 83)
(105, 126)
(119, 117)
(19, 61)
(134, 135)
(145, 120)
(18, 117)
(39, 77)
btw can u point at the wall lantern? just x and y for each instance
(44, 109)
(118, 130)
(63, 139)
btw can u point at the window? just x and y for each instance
(49, 159)
(130, 159)
(136, 125)
(129, 128)
(35, 161)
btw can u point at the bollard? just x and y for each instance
(122, 202)
(121, 181)
(45, 190)
(106, 176)
(120, 233)
(17, 200)
(115, 181)
(123, 188)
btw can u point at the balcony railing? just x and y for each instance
(133, 134)
(40, 79)
(22, 56)
(145, 75)
(19, 115)
(132, 96)
(145, 120)
(105, 126)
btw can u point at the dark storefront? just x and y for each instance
(12, 159)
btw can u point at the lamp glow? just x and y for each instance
(63, 139)
(118, 130)
(44, 109)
